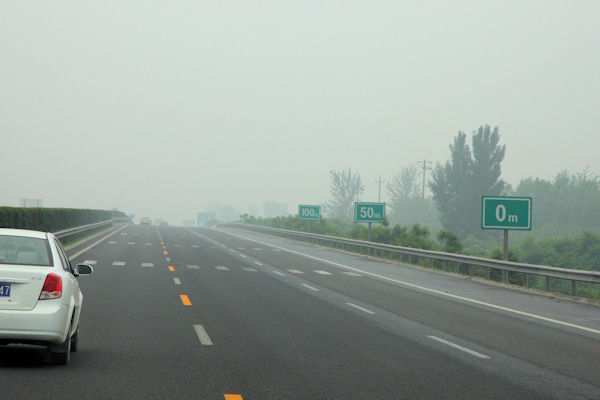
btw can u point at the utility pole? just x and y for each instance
(379, 181)
(426, 166)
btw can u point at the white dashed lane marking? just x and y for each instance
(195, 246)
(221, 268)
(360, 308)
(148, 244)
(90, 262)
(202, 335)
(279, 273)
(147, 264)
(258, 263)
(177, 281)
(192, 266)
(295, 271)
(119, 263)
(314, 289)
(131, 243)
(112, 242)
(458, 347)
(250, 269)
(349, 273)
(318, 271)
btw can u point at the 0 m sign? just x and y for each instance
(507, 213)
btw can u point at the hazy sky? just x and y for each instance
(161, 107)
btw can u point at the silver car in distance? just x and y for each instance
(40, 300)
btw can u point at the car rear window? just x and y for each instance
(20, 250)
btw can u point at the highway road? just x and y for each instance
(176, 313)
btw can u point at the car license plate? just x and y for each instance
(4, 289)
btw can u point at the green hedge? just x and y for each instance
(52, 219)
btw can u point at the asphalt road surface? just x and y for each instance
(175, 313)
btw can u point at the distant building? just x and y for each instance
(31, 203)
(205, 217)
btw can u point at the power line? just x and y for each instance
(426, 165)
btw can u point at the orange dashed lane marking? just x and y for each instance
(233, 397)
(185, 300)
(171, 268)
(165, 252)
(158, 233)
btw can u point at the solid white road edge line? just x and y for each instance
(202, 335)
(438, 292)
(360, 308)
(454, 345)
(80, 252)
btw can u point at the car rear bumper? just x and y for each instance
(48, 322)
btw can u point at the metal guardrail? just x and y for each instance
(407, 254)
(79, 229)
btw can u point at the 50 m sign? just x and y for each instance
(369, 212)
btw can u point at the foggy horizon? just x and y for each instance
(160, 110)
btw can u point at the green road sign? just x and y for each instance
(506, 213)
(309, 212)
(369, 212)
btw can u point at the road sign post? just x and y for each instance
(506, 213)
(369, 213)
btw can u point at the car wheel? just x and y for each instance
(74, 341)
(61, 353)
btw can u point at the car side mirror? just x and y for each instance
(83, 269)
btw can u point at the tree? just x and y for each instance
(458, 185)
(346, 188)
(487, 159)
(406, 204)
(404, 185)
(567, 205)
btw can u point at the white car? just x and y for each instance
(40, 300)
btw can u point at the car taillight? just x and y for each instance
(52, 288)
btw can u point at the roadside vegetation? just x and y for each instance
(53, 219)
(581, 252)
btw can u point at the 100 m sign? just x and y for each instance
(311, 212)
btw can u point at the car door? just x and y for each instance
(73, 285)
